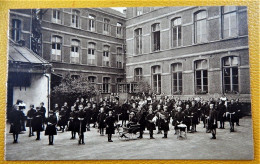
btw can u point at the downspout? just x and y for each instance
(48, 91)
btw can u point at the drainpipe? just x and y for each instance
(48, 91)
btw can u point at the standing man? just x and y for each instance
(110, 128)
(165, 119)
(16, 118)
(30, 115)
(231, 114)
(150, 122)
(212, 120)
(140, 115)
(37, 123)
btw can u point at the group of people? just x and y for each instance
(148, 112)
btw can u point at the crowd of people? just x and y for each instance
(148, 112)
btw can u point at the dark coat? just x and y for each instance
(51, 125)
(194, 113)
(165, 121)
(110, 128)
(43, 111)
(30, 115)
(62, 118)
(101, 120)
(80, 124)
(232, 117)
(212, 119)
(16, 118)
(94, 115)
(37, 122)
(150, 125)
(140, 116)
(178, 118)
(88, 114)
(72, 121)
(221, 110)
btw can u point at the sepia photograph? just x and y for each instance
(129, 83)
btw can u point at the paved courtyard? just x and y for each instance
(231, 146)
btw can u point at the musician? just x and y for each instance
(150, 121)
(140, 115)
(16, 118)
(73, 119)
(62, 119)
(95, 112)
(164, 120)
(204, 112)
(81, 125)
(159, 109)
(125, 110)
(37, 123)
(221, 109)
(76, 104)
(238, 109)
(177, 119)
(101, 121)
(194, 115)
(110, 128)
(88, 111)
(231, 114)
(212, 120)
(51, 126)
(30, 115)
(42, 110)
(187, 117)
(82, 102)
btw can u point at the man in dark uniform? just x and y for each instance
(165, 119)
(42, 110)
(212, 120)
(194, 116)
(73, 119)
(62, 119)
(16, 118)
(37, 123)
(81, 125)
(187, 117)
(125, 112)
(51, 126)
(221, 110)
(88, 111)
(177, 119)
(238, 110)
(140, 115)
(150, 121)
(30, 115)
(231, 114)
(110, 128)
(101, 121)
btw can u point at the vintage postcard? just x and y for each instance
(129, 83)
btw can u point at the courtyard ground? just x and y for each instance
(232, 146)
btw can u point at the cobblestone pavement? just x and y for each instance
(232, 146)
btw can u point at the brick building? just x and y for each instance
(85, 42)
(189, 51)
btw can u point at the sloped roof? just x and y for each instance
(22, 54)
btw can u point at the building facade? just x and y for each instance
(85, 42)
(28, 73)
(189, 51)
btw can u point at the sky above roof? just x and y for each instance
(120, 9)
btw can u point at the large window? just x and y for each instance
(201, 76)
(138, 41)
(106, 85)
(177, 78)
(176, 32)
(75, 18)
(92, 79)
(91, 54)
(106, 26)
(156, 79)
(138, 74)
(229, 21)
(56, 48)
(56, 16)
(106, 58)
(119, 58)
(119, 29)
(74, 53)
(16, 30)
(139, 11)
(91, 23)
(156, 37)
(200, 27)
(230, 74)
